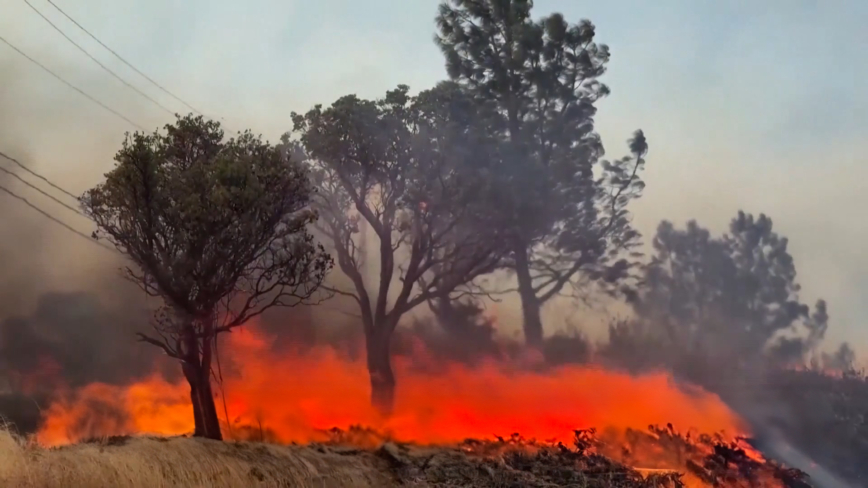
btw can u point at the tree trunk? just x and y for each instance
(201, 395)
(380, 371)
(530, 305)
(198, 418)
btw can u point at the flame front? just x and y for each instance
(296, 396)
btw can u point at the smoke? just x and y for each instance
(87, 340)
(71, 340)
(67, 318)
(21, 270)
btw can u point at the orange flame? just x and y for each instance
(297, 396)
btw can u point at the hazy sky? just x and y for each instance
(758, 105)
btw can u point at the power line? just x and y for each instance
(108, 70)
(130, 65)
(31, 185)
(79, 90)
(122, 59)
(34, 173)
(56, 220)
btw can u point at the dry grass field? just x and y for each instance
(182, 462)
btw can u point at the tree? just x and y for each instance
(842, 360)
(733, 298)
(217, 230)
(540, 82)
(413, 169)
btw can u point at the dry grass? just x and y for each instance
(134, 462)
(127, 462)
(182, 462)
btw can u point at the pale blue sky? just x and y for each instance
(760, 105)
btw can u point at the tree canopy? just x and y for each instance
(415, 170)
(539, 83)
(215, 228)
(733, 298)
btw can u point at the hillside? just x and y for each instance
(138, 462)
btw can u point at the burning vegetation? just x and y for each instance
(436, 200)
(437, 403)
(447, 437)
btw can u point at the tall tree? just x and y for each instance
(540, 80)
(217, 229)
(412, 168)
(729, 298)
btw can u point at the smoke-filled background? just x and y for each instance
(747, 106)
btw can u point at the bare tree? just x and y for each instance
(217, 229)
(412, 168)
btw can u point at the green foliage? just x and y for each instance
(215, 227)
(414, 169)
(537, 83)
(732, 297)
(538, 92)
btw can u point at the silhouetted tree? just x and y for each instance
(539, 82)
(843, 359)
(217, 230)
(636, 346)
(461, 318)
(733, 297)
(470, 333)
(412, 168)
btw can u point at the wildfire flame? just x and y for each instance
(297, 396)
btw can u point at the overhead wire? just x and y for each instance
(79, 90)
(34, 187)
(34, 173)
(104, 67)
(121, 58)
(57, 220)
(90, 98)
(129, 64)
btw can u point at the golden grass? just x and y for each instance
(140, 462)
